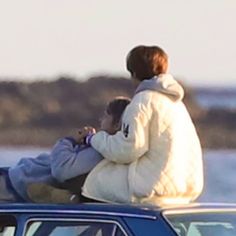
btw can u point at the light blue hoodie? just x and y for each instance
(66, 160)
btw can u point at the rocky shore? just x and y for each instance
(38, 113)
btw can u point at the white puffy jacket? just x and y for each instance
(156, 157)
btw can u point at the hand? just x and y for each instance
(83, 132)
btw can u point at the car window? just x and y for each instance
(204, 224)
(7, 225)
(72, 228)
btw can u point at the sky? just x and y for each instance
(82, 38)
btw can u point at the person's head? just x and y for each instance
(144, 62)
(111, 119)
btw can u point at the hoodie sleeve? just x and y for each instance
(69, 161)
(132, 141)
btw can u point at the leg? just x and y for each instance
(44, 193)
(75, 186)
(69, 191)
(7, 192)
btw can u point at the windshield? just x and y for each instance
(203, 224)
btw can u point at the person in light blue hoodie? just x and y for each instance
(68, 159)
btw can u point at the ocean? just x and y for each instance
(216, 97)
(219, 171)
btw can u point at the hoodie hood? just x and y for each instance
(164, 83)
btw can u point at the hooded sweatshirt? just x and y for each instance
(156, 157)
(66, 160)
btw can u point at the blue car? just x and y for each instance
(94, 219)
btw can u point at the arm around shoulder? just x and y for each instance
(132, 141)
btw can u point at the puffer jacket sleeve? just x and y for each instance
(132, 141)
(68, 160)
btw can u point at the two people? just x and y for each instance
(68, 159)
(156, 155)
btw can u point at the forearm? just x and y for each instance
(63, 156)
(118, 148)
(132, 141)
(69, 161)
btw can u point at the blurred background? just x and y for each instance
(61, 61)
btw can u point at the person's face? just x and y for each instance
(107, 124)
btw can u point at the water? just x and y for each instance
(216, 98)
(9, 156)
(219, 171)
(220, 175)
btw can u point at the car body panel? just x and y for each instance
(123, 220)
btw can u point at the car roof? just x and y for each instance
(139, 211)
(128, 210)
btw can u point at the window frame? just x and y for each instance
(193, 212)
(12, 219)
(73, 219)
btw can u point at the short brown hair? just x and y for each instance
(116, 107)
(146, 62)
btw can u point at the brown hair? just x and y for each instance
(116, 107)
(144, 62)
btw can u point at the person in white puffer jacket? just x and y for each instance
(156, 158)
